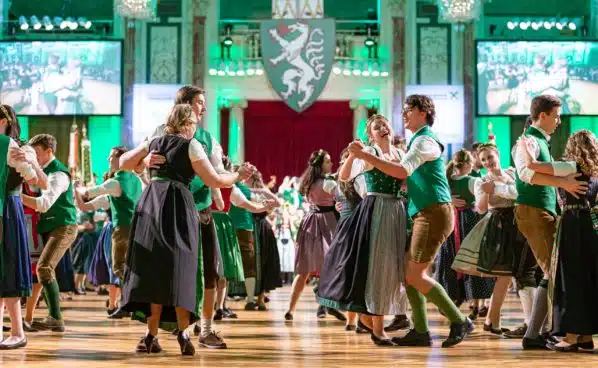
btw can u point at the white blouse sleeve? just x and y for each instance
(329, 186)
(360, 166)
(196, 151)
(564, 168)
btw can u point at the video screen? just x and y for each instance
(61, 77)
(510, 74)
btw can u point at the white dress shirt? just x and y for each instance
(100, 203)
(361, 166)
(422, 150)
(237, 198)
(109, 187)
(58, 183)
(24, 168)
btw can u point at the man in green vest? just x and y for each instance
(536, 207)
(57, 225)
(123, 191)
(433, 219)
(202, 194)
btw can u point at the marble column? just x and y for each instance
(236, 131)
(396, 10)
(360, 117)
(199, 10)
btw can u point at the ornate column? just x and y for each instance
(360, 117)
(236, 131)
(468, 93)
(129, 31)
(396, 10)
(199, 11)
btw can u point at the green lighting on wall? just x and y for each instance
(501, 128)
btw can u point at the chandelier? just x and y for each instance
(136, 9)
(459, 11)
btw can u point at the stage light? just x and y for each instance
(35, 22)
(221, 68)
(84, 23)
(535, 26)
(511, 25)
(375, 70)
(547, 25)
(347, 68)
(259, 69)
(228, 41)
(524, 25)
(356, 72)
(23, 23)
(70, 22)
(250, 68)
(47, 23)
(241, 69)
(336, 69)
(384, 71)
(369, 41)
(366, 72)
(572, 26)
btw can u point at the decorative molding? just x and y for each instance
(397, 7)
(433, 56)
(198, 70)
(164, 53)
(239, 104)
(398, 73)
(468, 81)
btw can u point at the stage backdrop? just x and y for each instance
(278, 140)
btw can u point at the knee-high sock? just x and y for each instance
(418, 309)
(250, 289)
(539, 311)
(526, 295)
(440, 298)
(52, 292)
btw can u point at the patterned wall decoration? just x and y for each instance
(397, 7)
(468, 78)
(164, 53)
(198, 61)
(170, 8)
(433, 58)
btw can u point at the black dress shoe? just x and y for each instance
(196, 330)
(266, 299)
(458, 333)
(119, 314)
(185, 343)
(539, 343)
(350, 328)
(382, 342)
(400, 322)
(27, 327)
(483, 312)
(80, 292)
(364, 329)
(496, 331)
(337, 314)
(218, 315)
(474, 314)
(228, 313)
(321, 313)
(414, 338)
(5, 328)
(517, 333)
(142, 347)
(288, 316)
(550, 339)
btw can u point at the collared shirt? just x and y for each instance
(422, 150)
(237, 198)
(58, 183)
(24, 168)
(109, 187)
(100, 203)
(519, 157)
(360, 166)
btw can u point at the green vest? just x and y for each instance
(428, 184)
(460, 187)
(538, 196)
(123, 207)
(476, 173)
(63, 211)
(202, 194)
(4, 144)
(242, 219)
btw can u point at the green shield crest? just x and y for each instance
(298, 55)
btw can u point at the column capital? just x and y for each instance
(366, 103)
(396, 8)
(241, 104)
(200, 7)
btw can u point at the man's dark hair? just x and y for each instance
(186, 94)
(543, 104)
(119, 150)
(45, 141)
(424, 104)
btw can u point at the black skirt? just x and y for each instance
(267, 257)
(575, 294)
(499, 243)
(162, 262)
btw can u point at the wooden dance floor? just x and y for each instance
(264, 339)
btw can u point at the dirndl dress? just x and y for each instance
(163, 257)
(229, 247)
(100, 271)
(83, 251)
(364, 269)
(266, 255)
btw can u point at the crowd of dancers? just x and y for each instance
(394, 228)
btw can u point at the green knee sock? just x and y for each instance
(418, 309)
(52, 292)
(440, 298)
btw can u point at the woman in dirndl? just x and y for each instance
(15, 264)
(162, 264)
(495, 247)
(461, 287)
(317, 227)
(364, 270)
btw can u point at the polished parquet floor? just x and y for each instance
(264, 339)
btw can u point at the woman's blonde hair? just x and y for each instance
(179, 117)
(371, 121)
(486, 147)
(460, 159)
(582, 147)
